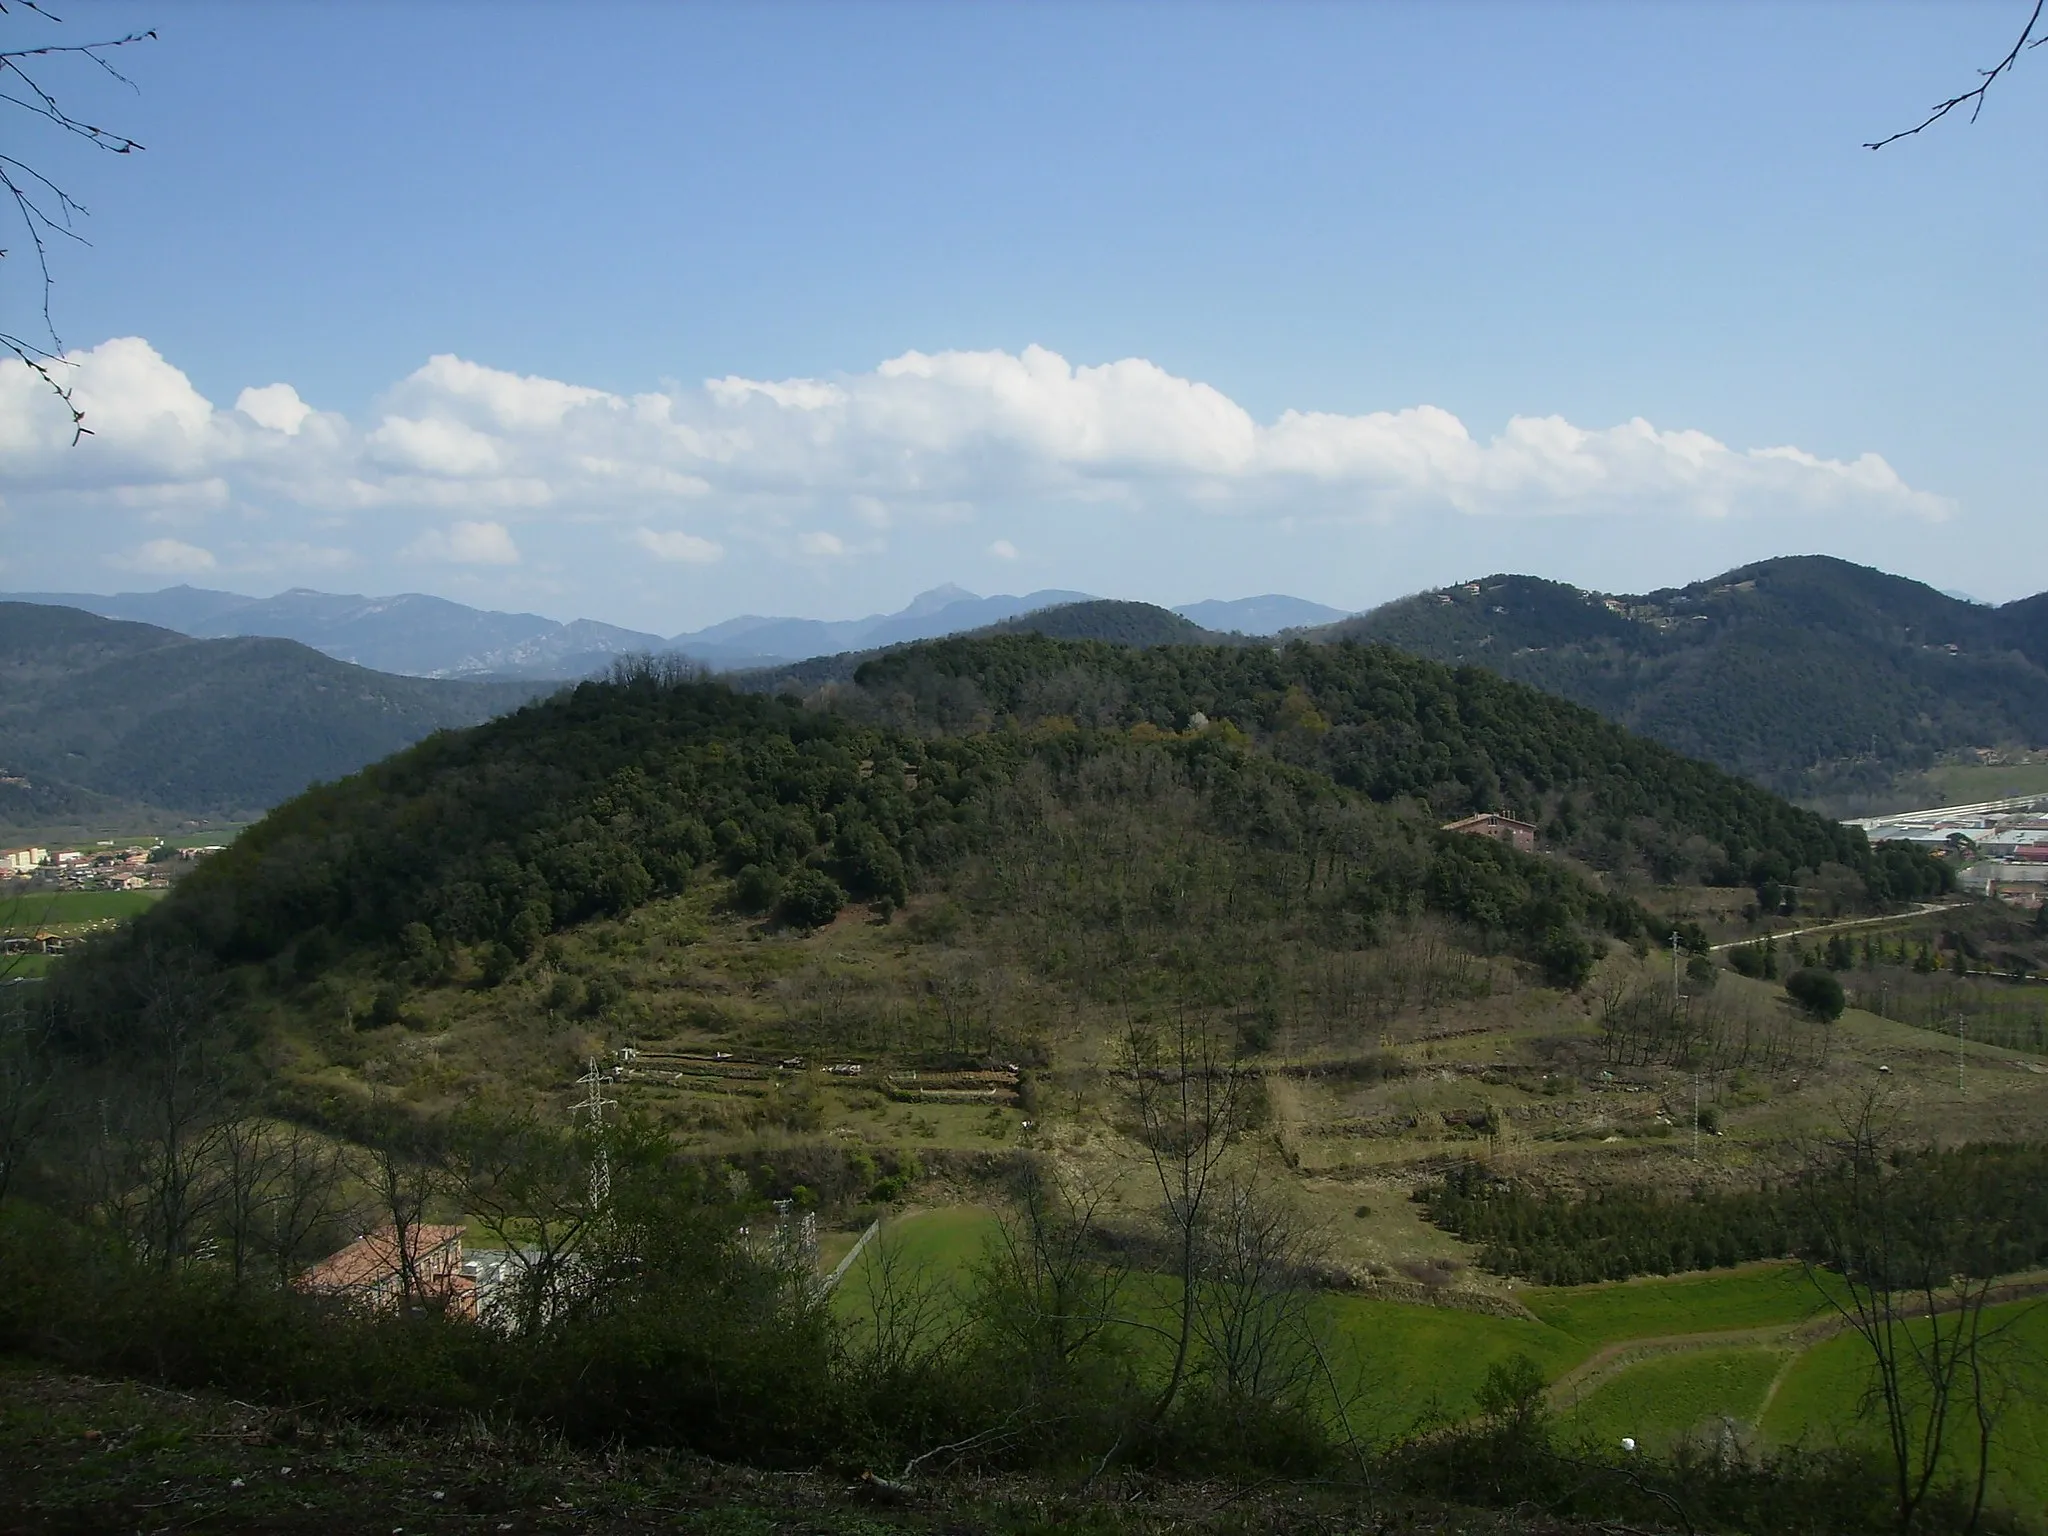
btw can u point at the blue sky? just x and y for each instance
(1335, 253)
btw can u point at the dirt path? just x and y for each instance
(1777, 1380)
(1923, 910)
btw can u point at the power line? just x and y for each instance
(594, 1104)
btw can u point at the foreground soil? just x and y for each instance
(84, 1455)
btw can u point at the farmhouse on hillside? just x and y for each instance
(1502, 829)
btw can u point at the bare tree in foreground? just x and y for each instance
(1050, 1285)
(46, 211)
(406, 1169)
(1260, 1282)
(1186, 1090)
(1908, 1262)
(164, 1103)
(2031, 36)
(279, 1186)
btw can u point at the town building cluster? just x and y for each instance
(103, 867)
(1999, 847)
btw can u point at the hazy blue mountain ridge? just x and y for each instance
(1265, 615)
(97, 714)
(753, 640)
(413, 634)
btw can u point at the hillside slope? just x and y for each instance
(1812, 675)
(608, 796)
(1396, 729)
(96, 713)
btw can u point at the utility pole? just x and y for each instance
(1959, 1053)
(1695, 1114)
(1674, 970)
(594, 1104)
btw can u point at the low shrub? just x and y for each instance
(1817, 991)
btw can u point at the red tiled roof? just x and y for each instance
(373, 1259)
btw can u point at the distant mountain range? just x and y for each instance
(1268, 615)
(1140, 625)
(753, 641)
(420, 636)
(104, 720)
(410, 634)
(1826, 681)
(1818, 678)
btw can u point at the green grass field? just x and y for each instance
(1408, 1366)
(1969, 783)
(932, 1248)
(1402, 1362)
(1659, 1401)
(1820, 1400)
(1403, 1367)
(61, 910)
(1754, 1296)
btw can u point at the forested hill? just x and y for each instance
(98, 714)
(1341, 759)
(1814, 676)
(1105, 619)
(1397, 727)
(1121, 623)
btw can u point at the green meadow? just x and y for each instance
(1407, 1366)
(1400, 1366)
(1429, 1360)
(1660, 1400)
(60, 910)
(936, 1250)
(1720, 1301)
(1970, 783)
(1821, 1402)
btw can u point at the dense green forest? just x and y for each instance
(1999, 1193)
(1397, 728)
(591, 803)
(97, 714)
(1120, 623)
(1819, 678)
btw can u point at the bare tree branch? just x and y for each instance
(1974, 99)
(44, 208)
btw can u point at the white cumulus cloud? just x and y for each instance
(810, 468)
(276, 406)
(165, 557)
(1003, 549)
(466, 543)
(674, 544)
